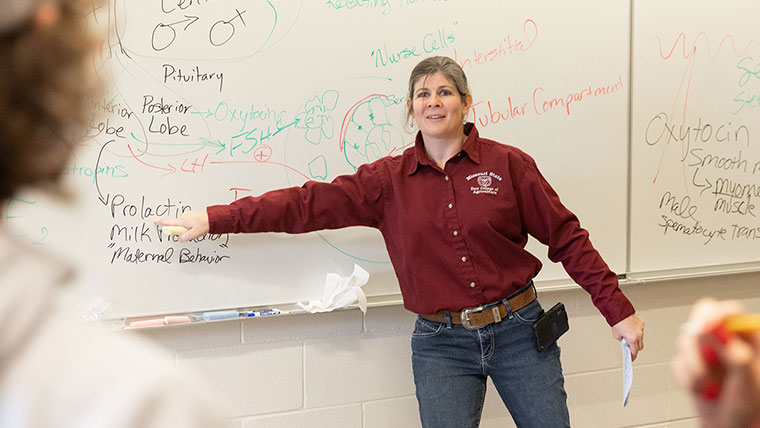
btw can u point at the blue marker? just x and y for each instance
(264, 313)
(220, 315)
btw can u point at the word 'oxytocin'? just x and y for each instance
(661, 129)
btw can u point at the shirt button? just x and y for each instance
(464, 259)
(451, 205)
(472, 285)
(456, 233)
(446, 177)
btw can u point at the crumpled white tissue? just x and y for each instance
(340, 292)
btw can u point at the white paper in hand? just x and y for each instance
(627, 370)
(340, 292)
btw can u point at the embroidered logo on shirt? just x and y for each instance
(485, 183)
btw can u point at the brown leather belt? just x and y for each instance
(481, 316)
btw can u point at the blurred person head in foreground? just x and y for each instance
(55, 372)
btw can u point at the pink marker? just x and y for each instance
(172, 319)
(147, 323)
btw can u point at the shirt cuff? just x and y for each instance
(219, 219)
(617, 309)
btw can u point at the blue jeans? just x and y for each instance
(451, 366)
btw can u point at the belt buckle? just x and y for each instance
(464, 316)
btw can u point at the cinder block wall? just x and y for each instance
(344, 370)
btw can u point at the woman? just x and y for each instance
(55, 372)
(455, 211)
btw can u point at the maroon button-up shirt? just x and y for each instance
(456, 237)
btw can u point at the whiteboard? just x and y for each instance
(213, 101)
(695, 155)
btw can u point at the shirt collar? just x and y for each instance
(472, 143)
(471, 147)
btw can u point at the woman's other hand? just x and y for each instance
(632, 330)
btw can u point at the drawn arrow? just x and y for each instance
(207, 113)
(705, 187)
(171, 169)
(212, 143)
(203, 142)
(192, 20)
(104, 201)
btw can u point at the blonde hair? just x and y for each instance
(43, 86)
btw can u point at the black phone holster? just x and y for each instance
(550, 325)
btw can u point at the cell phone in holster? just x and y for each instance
(550, 325)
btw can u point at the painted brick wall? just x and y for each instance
(345, 370)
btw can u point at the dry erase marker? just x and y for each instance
(173, 319)
(251, 312)
(220, 315)
(173, 230)
(265, 312)
(176, 319)
(147, 323)
(742, 323)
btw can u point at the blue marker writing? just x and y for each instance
(220, 315)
